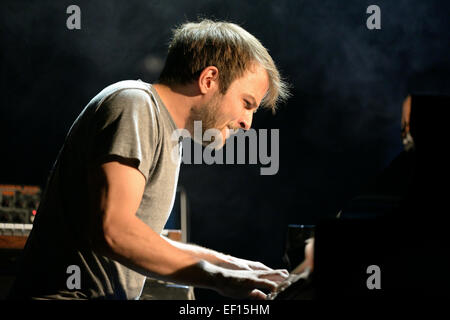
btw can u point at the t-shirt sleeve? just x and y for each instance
(125, 126)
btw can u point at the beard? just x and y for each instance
(207, 114)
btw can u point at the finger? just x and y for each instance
(246, 267)
(280, 271)
(284, 271)
(266, 284)
(275, 278)
(261, 266)
(283, 285)
(276, 275)
(238, 266)
(255, 265)
(257, 295)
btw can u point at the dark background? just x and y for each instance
(337, 132)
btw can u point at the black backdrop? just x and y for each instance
(340, 128)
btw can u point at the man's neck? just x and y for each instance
(178, 101)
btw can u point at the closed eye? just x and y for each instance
(250, 105)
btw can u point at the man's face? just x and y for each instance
(235, 108)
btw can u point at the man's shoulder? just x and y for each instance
(130, 97)
(127, 89)
(124, 84)
(124, 95)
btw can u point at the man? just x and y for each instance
(113, 184)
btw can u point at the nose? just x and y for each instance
(246, 121)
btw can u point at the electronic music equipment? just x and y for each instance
(18, 206)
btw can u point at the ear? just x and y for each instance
(208, 79)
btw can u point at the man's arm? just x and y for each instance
(116, 190)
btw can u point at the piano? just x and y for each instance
(390, 241)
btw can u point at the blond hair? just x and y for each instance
(225, 45)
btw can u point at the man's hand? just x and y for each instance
(234, 263)
(246, 283)
(235, 277)
(255, 269)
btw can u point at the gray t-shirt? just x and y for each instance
(126, 120)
